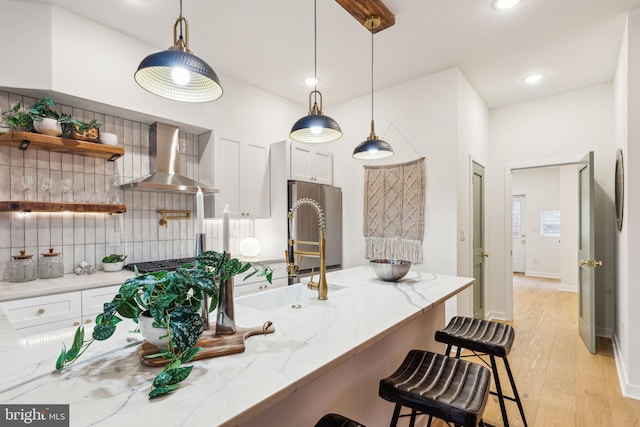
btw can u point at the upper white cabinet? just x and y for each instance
(311, 164)
(241, 174)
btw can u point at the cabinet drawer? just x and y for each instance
(37, 311)
(94, 299)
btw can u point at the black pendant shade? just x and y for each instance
(372, 148)
(315, 127)
(178, 74)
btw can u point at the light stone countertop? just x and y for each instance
(72, 282)
(108, 386)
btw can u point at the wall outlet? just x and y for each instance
(114, 239)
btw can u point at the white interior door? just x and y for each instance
(518, 227)
(586, 252)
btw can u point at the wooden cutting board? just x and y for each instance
(212, 345)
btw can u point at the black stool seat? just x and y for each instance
(337, 420)
(444, 387)
(489, 338)
(483, 336)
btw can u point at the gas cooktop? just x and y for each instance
(166, 264)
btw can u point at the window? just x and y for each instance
(550, 223)
(515, 218)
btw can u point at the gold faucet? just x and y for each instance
(291, 252)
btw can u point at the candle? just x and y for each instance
(200, 211)
(225, 229)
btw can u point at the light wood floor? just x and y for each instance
(560, 382)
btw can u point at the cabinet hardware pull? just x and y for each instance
(76, 323)
(87, 321)
(40, 311)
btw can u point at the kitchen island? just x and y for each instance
(324, 356)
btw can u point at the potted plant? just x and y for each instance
(45, 117)
(77, 129)
(173, 299)
(41, 117)
(113, 262)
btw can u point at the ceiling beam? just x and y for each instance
(361, 10)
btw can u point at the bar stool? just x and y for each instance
(337, 420)
(444, 387)
(484, 337)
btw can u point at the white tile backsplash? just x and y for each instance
(85, 237)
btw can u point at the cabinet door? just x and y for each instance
(310, 164)
(227, 156)
(322, 163)
(301, 161)
(254, 181)
(241, 172)
(39, 312)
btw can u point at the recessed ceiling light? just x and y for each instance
(505, 4)
(311, 81)
(533, 78)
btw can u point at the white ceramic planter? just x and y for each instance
(155, 336)
(113, 266)
(48, 126)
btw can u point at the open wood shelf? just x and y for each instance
(27, 206)
(36, 141)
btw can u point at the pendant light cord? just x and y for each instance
(372, 69)
(315, 49)
(181, 37)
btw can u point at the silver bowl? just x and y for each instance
(390, 269)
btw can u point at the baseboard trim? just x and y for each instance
(604, 332)
(628, 390)
(495, 315)
(568, 288)
(542, 274)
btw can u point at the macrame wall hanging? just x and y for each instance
(394, 198)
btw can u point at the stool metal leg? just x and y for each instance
(412, 420)
(515, 391)
(396, 415)
(503, 409)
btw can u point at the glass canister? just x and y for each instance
(22, 268)
(50, 265)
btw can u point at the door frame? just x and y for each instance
(508, 259)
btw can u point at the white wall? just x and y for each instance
(627, 244)
(552, 130)
(417, 118)
(541, 187)
(550, 188)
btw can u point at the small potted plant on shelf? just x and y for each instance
(86, 131)
(113, 262)
(172, 302)
(41, 117)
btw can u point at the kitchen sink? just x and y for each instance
(293, 295)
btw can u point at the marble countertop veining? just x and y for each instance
(108, 386)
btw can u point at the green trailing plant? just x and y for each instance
(174, 300)
(68, 123)
(114, 258)
(18, 117)
(44, 109)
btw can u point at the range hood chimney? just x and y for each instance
(164, 164)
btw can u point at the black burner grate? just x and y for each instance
(166, 264)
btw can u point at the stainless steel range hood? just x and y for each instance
(164, 164)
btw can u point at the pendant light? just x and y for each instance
(315, 127)
(372, 148)
(178, 74)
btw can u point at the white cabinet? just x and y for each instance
(93, 302)
(46, 313)
(311, 164)
(36, 315)
(241, 174)
(258, 284)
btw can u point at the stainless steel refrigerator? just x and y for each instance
(305, 225)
